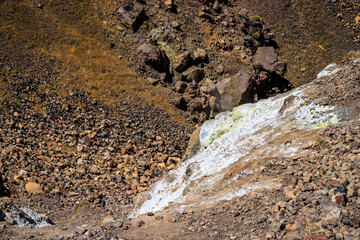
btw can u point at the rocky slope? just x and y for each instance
(90, 117)
(204, 70)
(312, 193)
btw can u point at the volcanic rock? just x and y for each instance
(194, 75)
(200, 55)
(154, 57)
(131, 14)
(332, 217)
(180, 86)
(266, 57)
(33, 188)
(183, 61)
(279, 68)
(140, 223)
(94, 170)
(181, 103)
(169, 4)
(236, 89)
(25, 217)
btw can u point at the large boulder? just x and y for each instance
(131, 14)
(266, 57)
(235, 90)
(154, 57)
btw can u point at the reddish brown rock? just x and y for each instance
(182, 62)
(33, 188)
(154, 57)
(236, 90)
(123, 151)
(341, 200)
(131, 14)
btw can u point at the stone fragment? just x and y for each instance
(205, 13)
(200, 55)
(354, 145)
(108, 219)
(235, 90)
(194, 75)
(183, 61)
(195, 105)
(298, 225)
(140, 223)
(266, 57)
(307, 178)
(216, 5)
(261, 218)
(175, 24)
(180, 86)
(169, 4)
(342, 190)
(276, 226)
(86, 141)
(131, 14)
(219, 69)
(279, 68)
(129, 147)
(339, 236)
(357, 19)
(332, 216)
(152, 81)
(164, 77)
(180, 103)
(292, 235)
(33, 188)
(354, 222)
(351, 192)
(26, 218)
(118, 178)
(94, 170)
(154, 57)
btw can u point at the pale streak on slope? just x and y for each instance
(238, 142)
